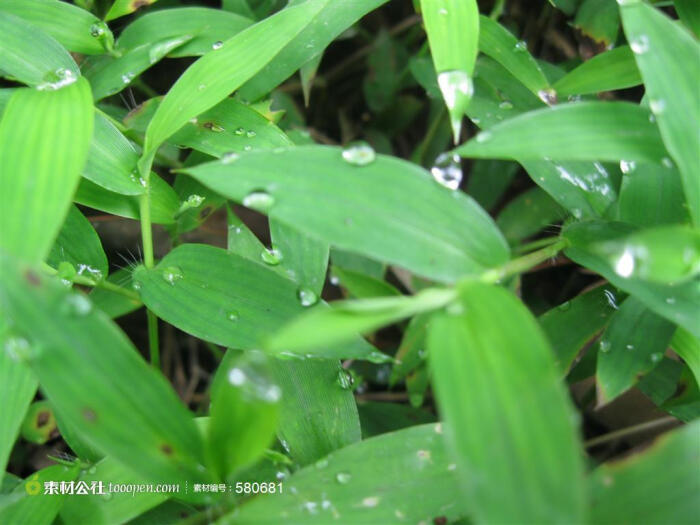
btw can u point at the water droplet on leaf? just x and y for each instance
(345, 379)
(172, 274)
(217, 45)
(272, 257)
(447, 170)
(359, 153)
(307, 297)
(640, 45)
(343, 478)
(457, 89)
(259, 200)
(229, 157)
(76, 304)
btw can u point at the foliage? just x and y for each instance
(408, 347)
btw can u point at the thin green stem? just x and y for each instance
(524, 263)
(534, 245)
(146, 229)
(635, 429)
(153, 347)
(95, 283)
(497, 10)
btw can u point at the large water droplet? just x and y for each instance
(57, 79)
(627, 166)
(98, 29)
(457, 89)
(447, 170)
(306, 296)
(76, 304)
(359, 153)
(259, 200)
(624, 264)
(172, 274)
(548, 96)
(640, 45)
(272, 257)
(345, 379)
(343, 478)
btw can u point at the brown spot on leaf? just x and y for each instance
(440, 520)
(204, 213)
(89, 414)
(136, 4)
(32, 277)
(166, 449)
(42, 418)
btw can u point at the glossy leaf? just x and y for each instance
(453, 33)
(656, 486)
(518, 418)
(599, 20)
(125, 7)
(688, 348)
(78, 244)
(347, 481)
(44, 138)
(411, 352)
(661, 48)
(237, 300)
(96, 399)
(527, 214)
(112, 303)
(45, 64)
(449, 237)
(608, 71)
(678, 303)
(206, 27)
(632, 344)
(209, 80)
(582, 131)
(75, 29)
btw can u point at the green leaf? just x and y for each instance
(44, 64)
(424, 227)
(238, 300)
(689, 13)
(305, 259)
(44, 139)
(570, 325)
(651, 195)
(118, 507)
(323, 26)
(582, 131)
(662, 48)
(632, 344)
(678, 303)
(657, 486)
(348, 483)
(75, 29)
(206, 27)
(505, 411)
(112, 159)
(489, 179)
(609, 71)
(125, 7)
(498, 43)
(97, 398)
(688, 348)
(17, 389)
(527, 214)
(78, 244)
(210, 79)
(411, 351)
(453, 33)
(164, 201)
(347, 318)
(362, 286)
(379, 418)
(599, 20)
(244, 408)
(567, 6)
(112, 303)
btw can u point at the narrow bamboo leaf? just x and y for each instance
(44, 139)
(198, 201)
(347, 481)
(357, 263)
(379, 418)
(453, 33)
(118, 507)
(164, 201)
(44, 64)
(241, 7)
(307, 74)
(78, 244)
(411, 352)
(498, 43)
(632, 344)
(489, 179)
(662, 382)
(608, 71)
(17, 389)
(210, 79)
(661, 49)
(424, 227)
(125, 7)
(527, 214)
(111, 160)
(110, 74)
(656, 486)
(583, 131)
(75, 29)
(96, 399)
(688, 348)
(304, 258)
(678, 303)
(689, 13)
(566, 6)
(570, 325)
(112, 303)
(323, 26)
(230, 127)
(686, 405)
(206, 26)
(237, 299)
(28, 504)
(362, 286)
(5, 95)
(518, 422)
(243, 412)
(651, 195)
(347, 318)
(39, 423)
(599, 20)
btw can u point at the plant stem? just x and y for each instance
(647, 425)
(497, 10)
(523, 263)
(153, 348)
(539, 243)
(94, 283)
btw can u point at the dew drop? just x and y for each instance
(657, 106)
(259, 200)
(321, 463)
(447, 170)
(343, 478)
(76, 304)
(563, 307)
(18, 349)
(272, 257)
(624, 265)
(247, 148)
(194, 201)
(457, 89)
(548, 96)
(521, 45)
(97, 30)
(670, 300)
(239, 131)
(107, 496)
(345, 379)
(92, 470)
(307, 297)
(506, 105)
(232, 315)
(172, 274)
(359, 153)
(667, 163)
(127, 77)
(443, 11)
(229, 157)
(217, 45)
(212, 126)
(378, 357)
(57, 79)
(484, 136)
(629, 347)
(656, 357)
(627, 166)
(640, 45)
(250, 134)
(372, 501)
(604, 346)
